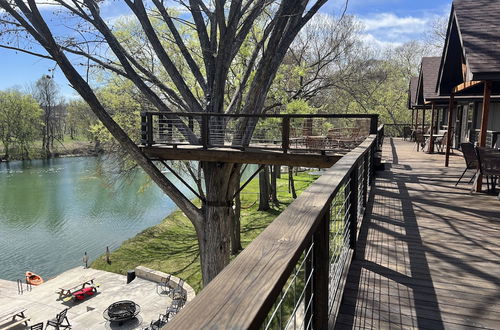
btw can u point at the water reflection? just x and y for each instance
(52, 211)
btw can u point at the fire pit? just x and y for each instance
(121, 311)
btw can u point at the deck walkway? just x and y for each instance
(428, 254)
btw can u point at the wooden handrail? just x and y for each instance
(241, 296)
(211, 114)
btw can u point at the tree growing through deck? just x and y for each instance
(198, 68)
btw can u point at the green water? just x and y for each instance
(52, 211)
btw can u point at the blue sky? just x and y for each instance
(387, 23)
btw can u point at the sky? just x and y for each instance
(387, 23)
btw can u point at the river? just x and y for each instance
(52, 211)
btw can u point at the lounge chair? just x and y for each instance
(58, 321)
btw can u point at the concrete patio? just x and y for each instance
(41, 303)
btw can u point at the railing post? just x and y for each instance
(143, 128)
(365, 178)
(191, 123)
(149, 129)
(285, 134)
(205, 132)
(373, 124)
(353, 209)
(320, 276)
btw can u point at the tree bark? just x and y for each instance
(264, 189)
(215, 229)
(274, 187)
(236, 230)
(291, 183)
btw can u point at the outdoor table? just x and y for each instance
(434, 136)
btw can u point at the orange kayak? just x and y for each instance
(33, 278)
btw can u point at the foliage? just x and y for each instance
(171, 246)
(19, 122)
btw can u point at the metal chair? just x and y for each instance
(38, 326)
(419, 140)
(470, 157)
(489, 165)
(164, 286)
(178, 291)
(57, 322)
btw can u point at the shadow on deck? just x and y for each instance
(428, 252)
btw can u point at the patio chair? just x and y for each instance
(406, 132)
(419, 140)
(470, 158)
(178, 291)
(489, 165)
(164, 286)
(57, 322)
(38, 326)
(440, 142)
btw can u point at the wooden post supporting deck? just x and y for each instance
(431, 139)
(412, 120)
(484, 125)
(451, 107)
(416, 122)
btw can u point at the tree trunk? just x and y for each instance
(236, 230)
(277, 169)
(236, 214)
(264, 189)
(291, 183)
(215, 232)
(274, 187)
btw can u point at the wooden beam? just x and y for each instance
(466, 85)
(451, 107)
(416, 122)
(249, 156)
(484, 124)
(431, 139)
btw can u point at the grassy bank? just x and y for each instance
(172, 247)
(66, 147)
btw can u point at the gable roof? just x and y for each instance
(472, 46)
(429, 76)
(412, 92)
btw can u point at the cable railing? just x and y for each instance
(292, 276)
(288, 133)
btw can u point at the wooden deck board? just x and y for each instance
(428, 254)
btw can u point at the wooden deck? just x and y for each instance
(428, 254)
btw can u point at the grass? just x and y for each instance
(172, 246)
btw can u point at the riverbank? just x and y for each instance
(172, 246)
(65, 148)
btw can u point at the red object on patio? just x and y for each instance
(80, 295)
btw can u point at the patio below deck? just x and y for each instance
(428, 252)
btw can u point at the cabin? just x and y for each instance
(469, 72)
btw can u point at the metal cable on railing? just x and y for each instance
(294, 304)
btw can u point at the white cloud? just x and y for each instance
(392, 22)
(374, 42)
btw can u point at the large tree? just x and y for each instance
(195, 76)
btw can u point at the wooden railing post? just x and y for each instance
(353, 209)
(143, 128)
(321, 262)
(374, 124)
(149, 129)
(365, 178)
(285, 134)
(205, 131)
